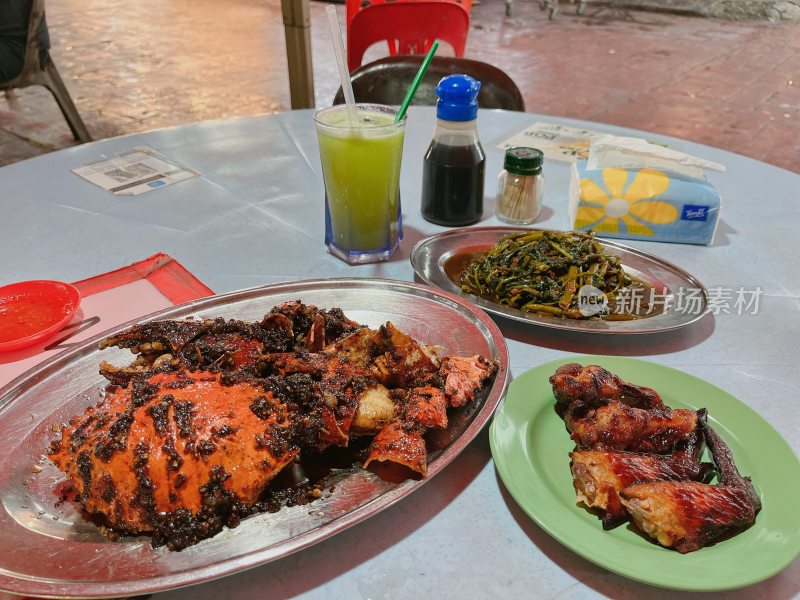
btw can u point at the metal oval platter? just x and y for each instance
(50, 549)
(669, 282)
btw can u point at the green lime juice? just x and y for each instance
(361, 167)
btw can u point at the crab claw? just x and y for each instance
(191, 344)
(155, 338)
(278, 322)
(359, 348)
(122, 375)
(406, 362)
(156, 344)
(463, 376)
(312, 328)
(315, 339)
(291, 308)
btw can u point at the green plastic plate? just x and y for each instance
(530, 445)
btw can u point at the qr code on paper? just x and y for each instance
(130, 172)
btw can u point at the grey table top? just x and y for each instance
(255, 216)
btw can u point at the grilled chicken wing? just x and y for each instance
(599, 476)
(617, 426)
(579, 389)
(688, 515)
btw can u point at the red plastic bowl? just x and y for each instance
(32, 311)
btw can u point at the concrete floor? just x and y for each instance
(136, 66)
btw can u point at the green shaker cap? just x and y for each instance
(523, 161)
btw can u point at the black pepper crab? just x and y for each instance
(193, 431)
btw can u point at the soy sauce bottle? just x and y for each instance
(453, 171)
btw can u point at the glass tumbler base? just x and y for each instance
(362, 258)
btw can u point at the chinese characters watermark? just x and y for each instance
(689, 301)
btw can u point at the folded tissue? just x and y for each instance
(632, 189)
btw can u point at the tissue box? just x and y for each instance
(643, 204)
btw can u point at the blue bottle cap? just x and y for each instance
(458, 98)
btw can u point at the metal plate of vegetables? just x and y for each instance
(563, 280)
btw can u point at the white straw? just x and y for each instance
(344, 74)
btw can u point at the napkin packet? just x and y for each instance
(631, 189)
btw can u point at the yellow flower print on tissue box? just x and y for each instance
(643, 204)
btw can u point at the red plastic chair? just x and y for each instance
(408, 28)
(353, 6)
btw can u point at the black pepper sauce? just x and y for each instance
(454, 165)
(452, 180)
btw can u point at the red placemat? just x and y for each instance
(108, 300)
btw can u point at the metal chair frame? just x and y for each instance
(39, 69)
(370, 87)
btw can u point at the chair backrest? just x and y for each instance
(408, 28)
(353, 6)
(385, 81)
(32, 48)
(33, 52)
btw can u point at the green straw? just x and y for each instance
(415, 84)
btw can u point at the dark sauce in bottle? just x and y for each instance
(452, 184)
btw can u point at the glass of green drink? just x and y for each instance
(361, 168)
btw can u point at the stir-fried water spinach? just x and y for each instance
(542, 271)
